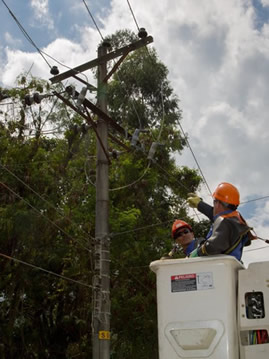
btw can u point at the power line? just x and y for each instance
(140, 228)
(161, 128)
(133, 14)
(31, 41)
(162, 123)
(255, 249)
(41, 52)
(44, 270)
(163, 113)
(93, 19)
(133, 183)
(25, 33)
(144, 227)
(255, 199)
(188, 143)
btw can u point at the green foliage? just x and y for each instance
(47, 212)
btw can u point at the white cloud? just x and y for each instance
(41, 10)
(218, 66)
(265, 3)
(12, 41)
(41, 7)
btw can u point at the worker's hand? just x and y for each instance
(194, 253)
(193, 200)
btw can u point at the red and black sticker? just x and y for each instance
(183, 282)
(191, 282)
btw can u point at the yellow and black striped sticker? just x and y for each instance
(104, 335)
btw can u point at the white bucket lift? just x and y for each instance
(212, 308)
(197, 314)
(253, 311)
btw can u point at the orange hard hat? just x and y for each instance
(226, 192)
(178, 224)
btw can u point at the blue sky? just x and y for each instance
(217, 54)
(60, 21)
(262, 13)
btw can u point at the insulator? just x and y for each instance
(28, 100)
(106, 43)
(142, 33)
(81, 97)
(37, 98)
(152, 150)
(54, 70)
(135, 137)
(114, 154)
(71, 91)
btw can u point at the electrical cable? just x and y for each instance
(133, 183)
(162, 121)
(93, 19)
(159, 135)
(178, 121)
(162, 124)
(66, 66)
(134, 277)
(45, 270)
(145, 227)
(41, 52)
(38, 195)
(25, 33)
(9, 103)
(32, 42)
(255, 199)
(132, 102)
(196, 161)
(140, 228)
(133, 14)
(255, 249)
(86, 174)
(129, 185)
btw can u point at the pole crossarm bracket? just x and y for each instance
(90, 121)
(97, 111)
(106, 117)
(110, 56)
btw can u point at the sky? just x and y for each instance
(217, 55)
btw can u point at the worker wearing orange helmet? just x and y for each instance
(229, 232)
(183, 236)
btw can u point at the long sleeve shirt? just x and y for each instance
(227, 234)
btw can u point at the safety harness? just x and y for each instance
(244, 237)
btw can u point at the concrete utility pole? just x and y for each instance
(101, 279)
(101, 275)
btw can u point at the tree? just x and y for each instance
(48, 213)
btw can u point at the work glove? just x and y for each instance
(193, 200)
(194, 253)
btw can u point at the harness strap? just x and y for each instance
(237, 242)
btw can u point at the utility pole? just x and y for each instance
(101, 279)
(101, 275)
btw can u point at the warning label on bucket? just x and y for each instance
(191, 282)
